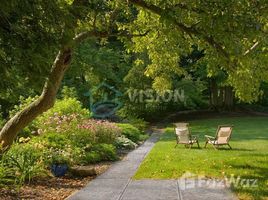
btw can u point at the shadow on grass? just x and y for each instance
(253, 184)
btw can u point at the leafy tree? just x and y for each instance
(233, 32)
(69, 23)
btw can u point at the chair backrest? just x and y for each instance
(223, 134)
(182, 125)
(183, 135)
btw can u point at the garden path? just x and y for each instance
(116, 183)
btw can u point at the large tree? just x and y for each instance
(233, 32)
(46, 27)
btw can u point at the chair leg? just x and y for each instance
(229, 146)
(206, 144)
(215, 147)
(197, 144)
(190, 146)
(177, 142)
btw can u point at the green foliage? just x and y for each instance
(123, 142)
(68, 92)
(91, 157)
(66, 106)
(5, 175)
(23, 103)
(59, 157)
(2, 121)
(139, 123)
(75, 140)
(53, 140)
(102, 131)
(131, 132)
(100, 152)
(24, 163)
(237, 48)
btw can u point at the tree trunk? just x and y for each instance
(229, 98)
(221, 97)
(213, 94)
(42, 104)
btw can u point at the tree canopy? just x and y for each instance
(38, 40)
(233, 34)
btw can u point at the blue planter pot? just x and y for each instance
(59, 170)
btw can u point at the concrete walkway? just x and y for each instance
(116, 183)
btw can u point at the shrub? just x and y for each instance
(106, 151)
(138, 123)
(51, 140)
(5, 174)
(102, 131)
(124, 143)
(63, 107)
(78, 139)
(60, 157)
(68, 92)
(91, 157)
(24, 162)
(100, 152)
(131, 132)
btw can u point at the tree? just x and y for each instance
(233, 32)
(71, 31)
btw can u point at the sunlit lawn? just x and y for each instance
(247, 160)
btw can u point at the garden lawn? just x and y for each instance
(248, 159)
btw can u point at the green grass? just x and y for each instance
(247, 160)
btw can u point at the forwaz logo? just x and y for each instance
(189, 181)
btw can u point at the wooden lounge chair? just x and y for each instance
(223, 135)
(183, 136)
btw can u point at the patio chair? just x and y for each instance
(183, 136)
(182, 125)
(222, 137)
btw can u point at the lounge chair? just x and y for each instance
(223, 135)
(183, 135)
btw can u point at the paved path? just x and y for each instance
(116, 183)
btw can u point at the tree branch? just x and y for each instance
(255, 45)
(188, 30)
(104, 34)
(185, 7)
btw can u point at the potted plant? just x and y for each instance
(59, 163)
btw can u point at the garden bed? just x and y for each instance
(51, 187)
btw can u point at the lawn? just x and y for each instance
(248, 159)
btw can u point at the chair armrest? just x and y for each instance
(208, 137)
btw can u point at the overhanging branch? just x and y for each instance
(104, 34)
(182, 27)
